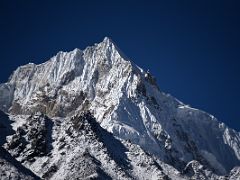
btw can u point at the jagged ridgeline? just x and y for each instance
(94, 114)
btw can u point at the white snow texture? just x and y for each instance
(157, 136)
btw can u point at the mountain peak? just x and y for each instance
(107, 39)
(108, 42)
(124, 100)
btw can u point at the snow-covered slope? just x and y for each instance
(10, 168)
(127, 103)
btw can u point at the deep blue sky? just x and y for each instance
(191, 47)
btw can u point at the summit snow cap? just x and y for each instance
(107, 40)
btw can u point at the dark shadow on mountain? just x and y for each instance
(49, 124)
(102, 175)
(7, 156)
(6, 130)
(115, 148)
(39, 134)
(5, 127)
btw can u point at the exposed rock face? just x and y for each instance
(10, 168)
(96, 112)
(32, 139)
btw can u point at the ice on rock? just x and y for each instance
(160, 136)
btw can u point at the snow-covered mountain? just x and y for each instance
(95, 114)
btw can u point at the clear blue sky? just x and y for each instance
(191, 47)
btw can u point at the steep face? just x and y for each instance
(126, 101)
(6, 91)
(10, 168)
(69, 80)
(36, 86)
(81, 149)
